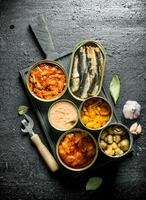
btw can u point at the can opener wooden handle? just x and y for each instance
(42, 149)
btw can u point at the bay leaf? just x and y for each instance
(115, 88)
(22, 110)
(93, 183)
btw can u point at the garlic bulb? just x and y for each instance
(136, 128)
(131, 110)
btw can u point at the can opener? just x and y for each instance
(44, 152)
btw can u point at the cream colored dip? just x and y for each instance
(63, 115)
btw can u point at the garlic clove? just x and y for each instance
(139, 129)
(133, 127)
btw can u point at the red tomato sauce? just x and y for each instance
(77, 149)
(47, 81)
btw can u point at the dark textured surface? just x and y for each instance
(120, 26)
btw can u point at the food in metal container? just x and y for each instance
(87, 70)
(95, 113)
(77, 149)
(114, 140)
(46, 81)
(63, 115)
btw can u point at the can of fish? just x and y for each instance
(47, 80)
(86, 69)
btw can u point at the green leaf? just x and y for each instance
(22, 110)
(93, 183)
(115, 88)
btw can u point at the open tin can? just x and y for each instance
(63, 115)
(115, 140)
(95, 113)
(77, 149)
(40, 91)
(87, 65)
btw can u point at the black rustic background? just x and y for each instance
(120, 27)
